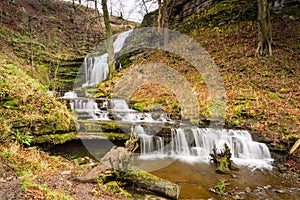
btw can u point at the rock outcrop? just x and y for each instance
(179, 9)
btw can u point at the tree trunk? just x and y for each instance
(96, 7)
(264, 29)
(159, 18)
(119, 159)
(163, 15)
(110, 46)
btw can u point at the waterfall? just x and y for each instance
(96, 68)
(179, 143)
(119, 105)
(196, 144)
(149, 143)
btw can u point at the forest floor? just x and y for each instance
(262, 94)
(28, 173)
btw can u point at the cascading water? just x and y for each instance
(96, 68)
(188, 144)
(196, 144)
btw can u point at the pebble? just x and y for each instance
(267, 186)
(280, 191)
(237, 197)
(66, 172)
(2, 180)
(248, 190)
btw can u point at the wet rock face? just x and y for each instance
(185, 8)
(180, 9)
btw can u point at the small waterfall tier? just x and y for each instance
(110, 109)
(196, 144)
(96, 68)
(163, 137)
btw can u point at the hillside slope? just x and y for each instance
(41, 48)
(50, 38)
(42, 42)
(262, 94)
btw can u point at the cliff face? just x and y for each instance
(179, 9)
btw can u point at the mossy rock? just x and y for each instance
(113, 187)
(55, 138)
(109, 126)
(220, 188)
(117, 136)
(223, 168)
(138, 107)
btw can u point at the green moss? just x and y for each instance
(113, 187)
(27, 105)
(125, 61)
(55, 138)
(220, 188)
(106, 126)
(13, 104)
(117, 136)
(218, 13)
(274, 96)
(223, 168)
(138, 107)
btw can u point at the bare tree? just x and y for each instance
(110, 47)
(165, 9)
(145, 5)
(96, 7)
(264, 29)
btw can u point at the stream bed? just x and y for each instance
(196, 179)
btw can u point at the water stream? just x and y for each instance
(183, 155)
(96, 67)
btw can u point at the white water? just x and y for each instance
(96, 68)
(90, 107)
(70, 95)
(190, 145)
(186, 144)
(196, 144)
(122, 111)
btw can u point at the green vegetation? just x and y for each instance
(220, 188)
(138, 107)
(27, 109)
(43, 53)
(113, 187)
(219, 13)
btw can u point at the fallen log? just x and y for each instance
(120, 160)
(150, 182)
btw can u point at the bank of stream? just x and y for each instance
(196, 179)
